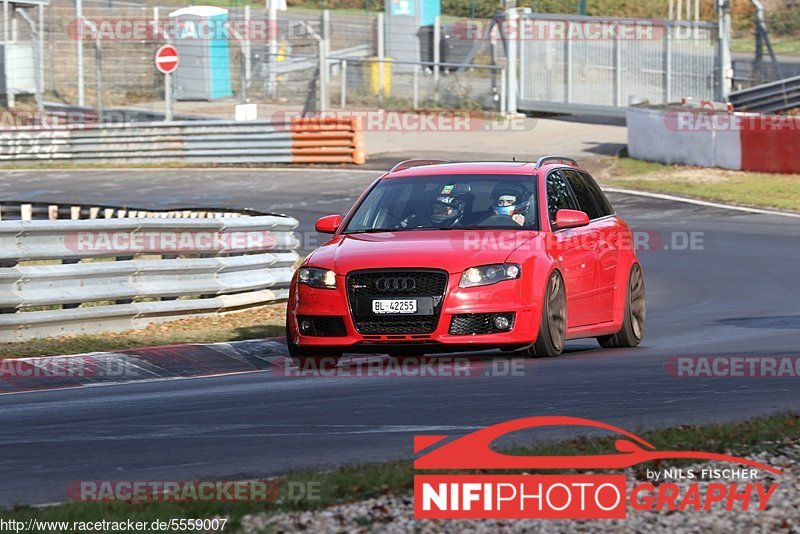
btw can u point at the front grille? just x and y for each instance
(471, 324)
(321, 325)
(414, 324)
(426, 283)
(396, 284)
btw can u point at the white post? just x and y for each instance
(725, 68)
(167, 97)
(323, 61)
(248, 65)
(155, 22)
(9, 95)
(41, 44)
(415, 100)
(272, 85)
(79, 18)
(679, 10)
(381, 54)
(511, 61)
(343, 86)
(437, 51)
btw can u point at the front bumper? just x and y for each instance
(510, 296)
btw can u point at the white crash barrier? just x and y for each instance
(73, 276)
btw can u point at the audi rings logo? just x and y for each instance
(395, 284)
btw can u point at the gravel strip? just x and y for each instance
(395, 513)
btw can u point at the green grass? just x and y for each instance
(366, 481)
(788, 46)
(250, 324)
(763, 190)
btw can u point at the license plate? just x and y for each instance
(394, 306)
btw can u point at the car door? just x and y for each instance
(604, 228)
(574, 249)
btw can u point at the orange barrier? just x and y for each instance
(327, 140)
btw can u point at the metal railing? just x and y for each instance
(564, 66)
(769, 97)
(86, 276)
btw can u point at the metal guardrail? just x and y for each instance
(119, 274)
(214, 141)
(769, 97)
(15, 210)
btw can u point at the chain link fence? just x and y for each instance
(114, 43)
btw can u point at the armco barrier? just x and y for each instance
(14, 210)
(114, 277)
(321, 140)
(714, 138)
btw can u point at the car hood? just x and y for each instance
(452, 250)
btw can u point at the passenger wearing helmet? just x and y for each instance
(511, 200)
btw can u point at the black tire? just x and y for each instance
(311, 360)
(553, 325)
(632, 331)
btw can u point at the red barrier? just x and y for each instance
(770, 145)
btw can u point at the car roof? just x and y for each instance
(474, 167)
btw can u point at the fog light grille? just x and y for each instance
(470, 324)
(321, 326)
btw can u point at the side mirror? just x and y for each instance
(328, 224)
(571, 219)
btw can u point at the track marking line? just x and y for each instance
(664, 196)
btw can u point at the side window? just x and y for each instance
(583, 194)
(558, 195)
(599, 197)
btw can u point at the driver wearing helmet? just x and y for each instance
(447, 210)
(510, 200)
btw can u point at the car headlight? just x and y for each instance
(319, 278)
(489, 274)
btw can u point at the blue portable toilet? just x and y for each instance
(200, 35)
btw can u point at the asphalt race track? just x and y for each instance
(737, 296)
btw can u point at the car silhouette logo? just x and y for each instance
(395, 284)
(473, 451)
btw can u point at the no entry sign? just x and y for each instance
(167, 59)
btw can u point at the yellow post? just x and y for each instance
(376, 68)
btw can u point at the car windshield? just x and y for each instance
(448, 201)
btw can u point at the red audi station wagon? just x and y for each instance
(439, 257)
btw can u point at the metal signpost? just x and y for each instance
(167, 63)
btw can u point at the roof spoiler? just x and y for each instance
(407, 164)
(561, 159)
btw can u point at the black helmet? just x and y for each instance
(447, 209)
(510, 199)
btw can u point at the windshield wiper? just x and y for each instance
(373, 230)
